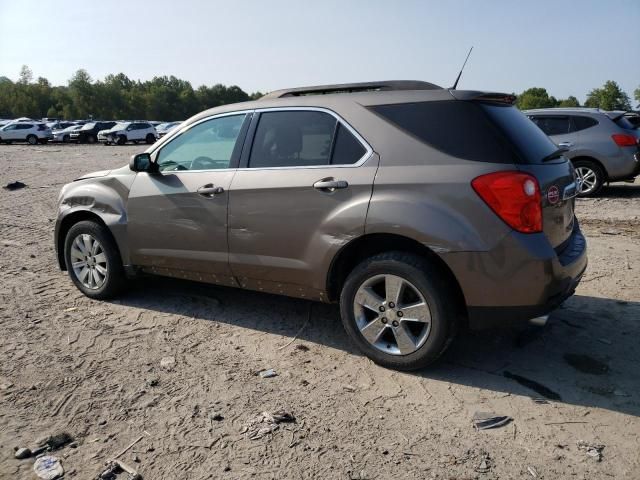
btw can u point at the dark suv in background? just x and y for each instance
(419, 209)
(89, 132)
(603, 146)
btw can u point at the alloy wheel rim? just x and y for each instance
(588, 179)
(89, 261)
(392, 315)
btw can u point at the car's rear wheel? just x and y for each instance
(399, 310)
(150, 138)
(93, 260)
(32, 139)
(122, 139)
(590, 177)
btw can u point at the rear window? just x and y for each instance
(531, 142)
(623, 122)
(457, 128)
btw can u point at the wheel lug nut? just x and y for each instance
(399, 313)
(395, 323)
(383, 320)
(392, 305)
(381, 308)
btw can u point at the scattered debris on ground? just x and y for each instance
(266, 423)
(48, 467)
(116, 467)
(168, 363)
(15, 185)
(485, 420)
(594, 450)
(269, 373)
(533, 385)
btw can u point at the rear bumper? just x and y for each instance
(521, 279)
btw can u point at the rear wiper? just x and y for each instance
(555, 154)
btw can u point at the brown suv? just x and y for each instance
(417, 208)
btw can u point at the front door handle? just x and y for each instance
(565, 144)
(330, 185)
(209, 190)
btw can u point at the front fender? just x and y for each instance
(103, 197)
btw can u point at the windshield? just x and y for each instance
(531, 142)
(88, 126)
(120, 126)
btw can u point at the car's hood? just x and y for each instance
(101, 173)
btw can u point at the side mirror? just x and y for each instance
(142, 163)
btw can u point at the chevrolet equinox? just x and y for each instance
(418, 209)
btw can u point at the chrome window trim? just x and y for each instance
(155, 149)
(339, 119)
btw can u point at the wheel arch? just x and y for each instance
(357, 250)
(69, 221)
(592, 160)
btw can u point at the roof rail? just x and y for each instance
(388, 85)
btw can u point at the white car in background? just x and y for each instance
(121, 133)
(165, 128)
(23, 131)
(64, 135)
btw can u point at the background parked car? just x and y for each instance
(60, 124)
(135, 132)
(64, 135)
(165, 128)
(31, 133)
(603, 146)
(89, 132)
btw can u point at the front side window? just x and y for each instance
(302, 139)
(206, 146)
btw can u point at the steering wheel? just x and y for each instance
(203, 163)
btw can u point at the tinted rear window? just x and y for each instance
(457, 128)
(582, 123)
(624, 122)
(531, 142)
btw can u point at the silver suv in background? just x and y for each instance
(603, 146)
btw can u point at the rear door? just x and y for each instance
(301, 194)
(177, 223)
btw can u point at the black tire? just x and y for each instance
(91, 139)
(433, 284)
(150, 139)
(600, 177)
(66, 139)
(122, 139)
(32, 139)
(115, 278)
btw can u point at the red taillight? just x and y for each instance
(514, 197)
(624, 140)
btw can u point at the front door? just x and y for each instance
(302, 193)
(177, 223)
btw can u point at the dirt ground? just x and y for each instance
(93, 369)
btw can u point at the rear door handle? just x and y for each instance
(209, 190)
(330, 185)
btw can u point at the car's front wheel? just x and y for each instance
(93, 260)
(150, 138)
(121, 140)
(399, 310)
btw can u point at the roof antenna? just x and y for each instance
(460, 74)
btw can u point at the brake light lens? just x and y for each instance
(624, 140)
(513, 196)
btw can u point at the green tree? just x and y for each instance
(636, 95)
(571, 101)
(609, 97)
(535, 97)
(52, 112)
(82, 94)
(26, 75)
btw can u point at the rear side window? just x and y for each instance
(554, 125)
(302, 139)
(457, 128)
(582, 123)
(347, 148)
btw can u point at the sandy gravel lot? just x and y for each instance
(93, 369)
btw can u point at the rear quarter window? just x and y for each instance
(582, 123)
(458, 128)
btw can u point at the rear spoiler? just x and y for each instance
(488, 97)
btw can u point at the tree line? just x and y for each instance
(116, 97)
(170, 98)
(608, 97)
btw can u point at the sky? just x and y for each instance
(568, 47)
